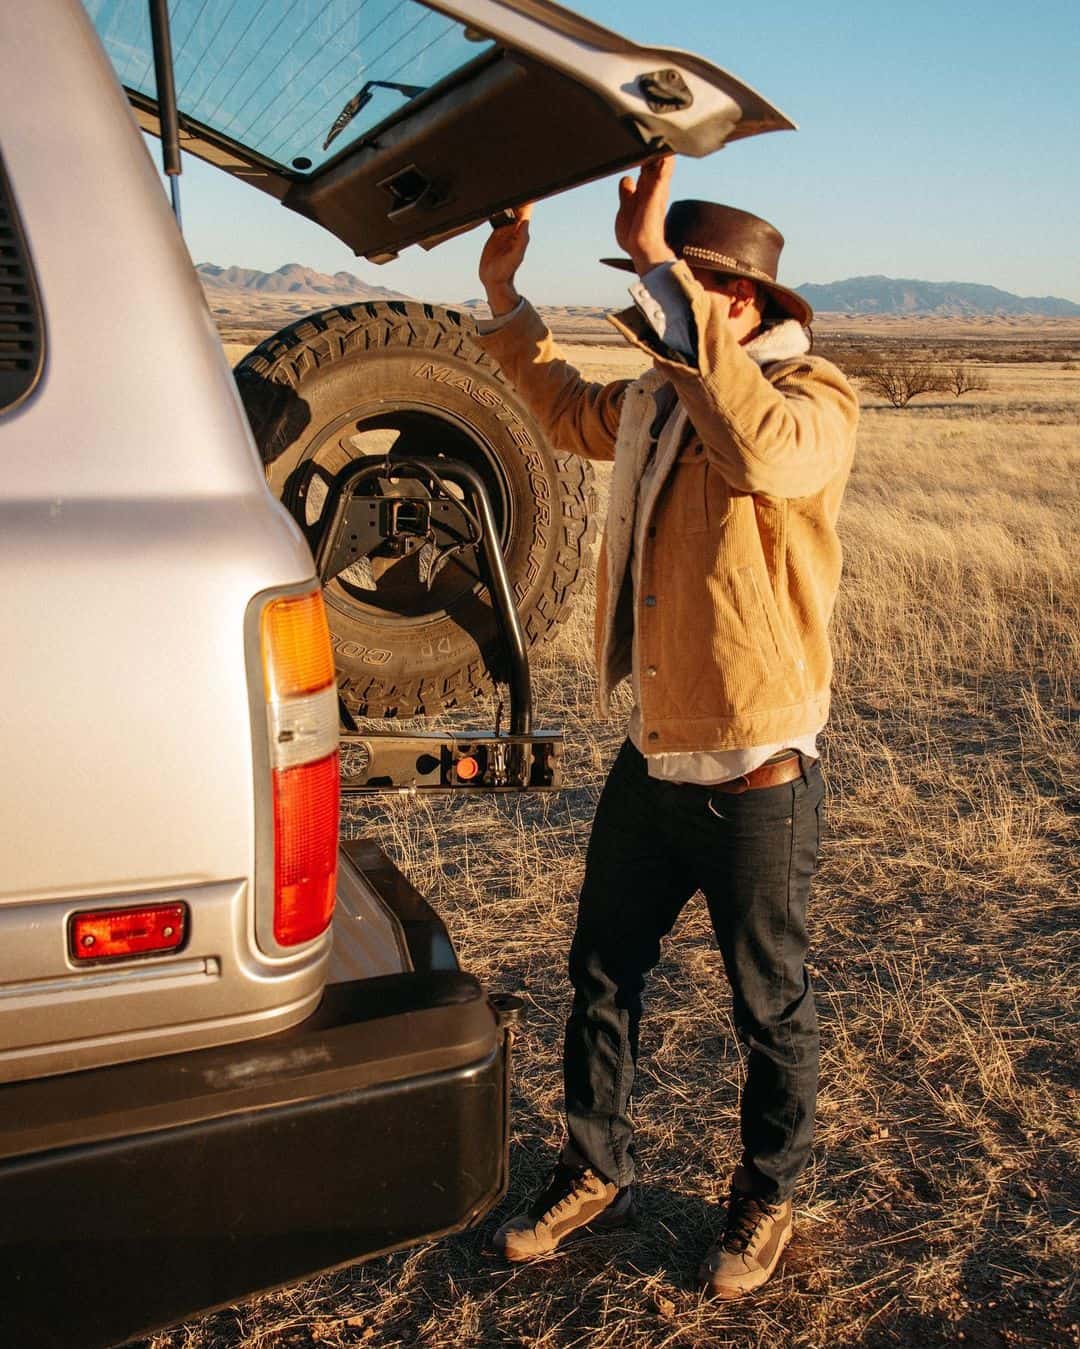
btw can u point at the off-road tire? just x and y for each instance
(305, 388)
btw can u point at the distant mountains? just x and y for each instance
(292, 280)
(952, 299)
(858, 295)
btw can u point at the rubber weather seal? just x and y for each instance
(22, 320)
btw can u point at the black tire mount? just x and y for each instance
(352, 525)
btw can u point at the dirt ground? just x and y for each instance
(941, 1206)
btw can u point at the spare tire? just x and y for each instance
(351, 382)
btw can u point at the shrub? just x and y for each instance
(962, 379)
(900, 382)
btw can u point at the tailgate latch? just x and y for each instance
(665, 91)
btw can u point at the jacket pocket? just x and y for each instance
(709, 501)
(763, 617)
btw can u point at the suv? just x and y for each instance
(233, 1053)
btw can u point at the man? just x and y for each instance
(717, 577)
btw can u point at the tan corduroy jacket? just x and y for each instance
(740, 562)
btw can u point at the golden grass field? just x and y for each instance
(941, 1207)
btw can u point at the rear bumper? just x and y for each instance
(140, 1194)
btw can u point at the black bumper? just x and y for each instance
(138, 1195)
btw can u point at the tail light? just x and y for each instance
(302, 723)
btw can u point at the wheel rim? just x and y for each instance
(392, 590)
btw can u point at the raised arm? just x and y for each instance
(578, 417)
(785, 437)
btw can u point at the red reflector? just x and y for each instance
(306, 800)
(467, 768)
(111, 934)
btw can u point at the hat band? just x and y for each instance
(695, 252)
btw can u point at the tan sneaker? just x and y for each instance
(749, 1249)
(572, 1200)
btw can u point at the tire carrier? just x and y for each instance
(365, 511)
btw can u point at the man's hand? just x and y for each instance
(502, 256)
(639, 225)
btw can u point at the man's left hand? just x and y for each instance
(639, 225)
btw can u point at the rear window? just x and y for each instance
(22, 327)
(276, 76)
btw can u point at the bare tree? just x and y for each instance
(899, 383)
(962, 379)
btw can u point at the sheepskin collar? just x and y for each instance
(781, 342)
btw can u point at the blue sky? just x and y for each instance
(937, 140)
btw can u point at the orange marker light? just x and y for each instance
(467, 768)
(296, 653)
(119, 934)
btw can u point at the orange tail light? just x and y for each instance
(296, 651)
(298, 673)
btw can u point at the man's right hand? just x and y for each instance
(502, 256)
(639, 225)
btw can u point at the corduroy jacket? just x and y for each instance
(740, 562)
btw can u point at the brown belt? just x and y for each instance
(772, 773)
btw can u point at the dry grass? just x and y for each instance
(941, 1205)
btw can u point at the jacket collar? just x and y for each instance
(781, 342)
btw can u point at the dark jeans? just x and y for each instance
(753, 856)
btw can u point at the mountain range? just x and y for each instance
(293, 279)
(951, 299)
(858, 295)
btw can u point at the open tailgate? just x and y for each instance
(395, 122)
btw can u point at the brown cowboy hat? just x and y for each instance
(726, 240)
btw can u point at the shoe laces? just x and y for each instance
(744, 1215)
(564, 1185)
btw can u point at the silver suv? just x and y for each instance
(188, 1110)
(231, 1052)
